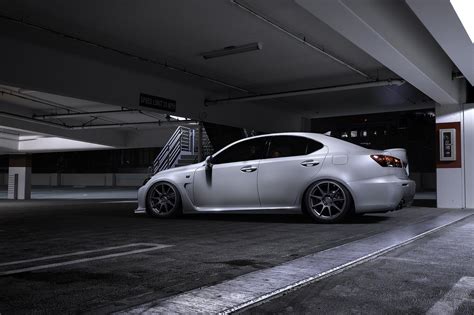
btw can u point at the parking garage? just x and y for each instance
(97, 97)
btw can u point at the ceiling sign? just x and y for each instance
(157, 102)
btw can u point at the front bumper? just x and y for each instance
(141, 199)
(382, 194)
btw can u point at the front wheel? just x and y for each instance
(327, 201)
(163, 200)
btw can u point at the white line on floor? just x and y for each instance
(151, 247)
(255, 287)
(451, 301)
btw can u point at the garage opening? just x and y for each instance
(411, 130)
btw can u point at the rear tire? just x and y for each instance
(163, 201)
(327, 201)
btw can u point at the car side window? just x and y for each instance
(253, 149)
(284, 146)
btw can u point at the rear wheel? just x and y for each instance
(163, 200)
(327, 201)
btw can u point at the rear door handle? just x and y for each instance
(248, 169)
(309, 163)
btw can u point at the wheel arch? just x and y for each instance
(323, 178)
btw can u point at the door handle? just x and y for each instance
(309, 163)
(248, 169)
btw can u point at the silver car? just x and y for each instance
(324, 177)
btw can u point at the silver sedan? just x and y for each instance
(324, 177)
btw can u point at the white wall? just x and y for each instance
(469, 153)
(450, 187)
(96, 179)
(22, 189)
(130, 179)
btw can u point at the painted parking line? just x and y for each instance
(256, 287)
(149, 247)
(452, 300)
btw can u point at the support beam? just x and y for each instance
(318, 90)
(63, 72)
(450, 34)
(392, 34)
(86, 114)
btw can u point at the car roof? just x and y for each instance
(333, 144)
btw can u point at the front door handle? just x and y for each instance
(309, 163)
(248, 169)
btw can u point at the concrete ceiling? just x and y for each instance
(91, 56)
(177, 32)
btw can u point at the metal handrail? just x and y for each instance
(182, 140)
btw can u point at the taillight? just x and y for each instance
(387, 160)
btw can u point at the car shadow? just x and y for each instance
(280, 218)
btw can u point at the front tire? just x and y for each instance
(163, 201)
(327, 201)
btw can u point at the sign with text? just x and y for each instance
(157, 102)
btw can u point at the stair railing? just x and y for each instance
(181, 142)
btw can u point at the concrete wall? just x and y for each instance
(455, 186)
(424, 181)
(100, 179)
(469, 153)
(450, 181)
(4, 179)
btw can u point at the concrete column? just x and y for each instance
(469, 153)
(450, 181)
(19, 177)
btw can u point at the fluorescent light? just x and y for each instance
(232, 50)
(178, 117)
(465, 11)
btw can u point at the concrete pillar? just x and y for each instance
(469, 153)
(455, 175)
(19, 177)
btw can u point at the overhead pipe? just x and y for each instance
(457, 75)
(32, 120)
(318, 90)
(85, 114)
(159, 123)
(35, 99)
(102, 126)
(301, 40)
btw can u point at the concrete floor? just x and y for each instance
(206, 249)
(421, 277)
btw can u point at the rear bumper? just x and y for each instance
(382, 194)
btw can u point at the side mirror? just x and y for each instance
(208, 161)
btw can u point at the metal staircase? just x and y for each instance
(180, 144)
(182, 149)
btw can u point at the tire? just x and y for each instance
(163, 201)
(327, 201)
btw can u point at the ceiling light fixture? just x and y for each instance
(464, 10)
(232, 50)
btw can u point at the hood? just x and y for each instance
(180, 168)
